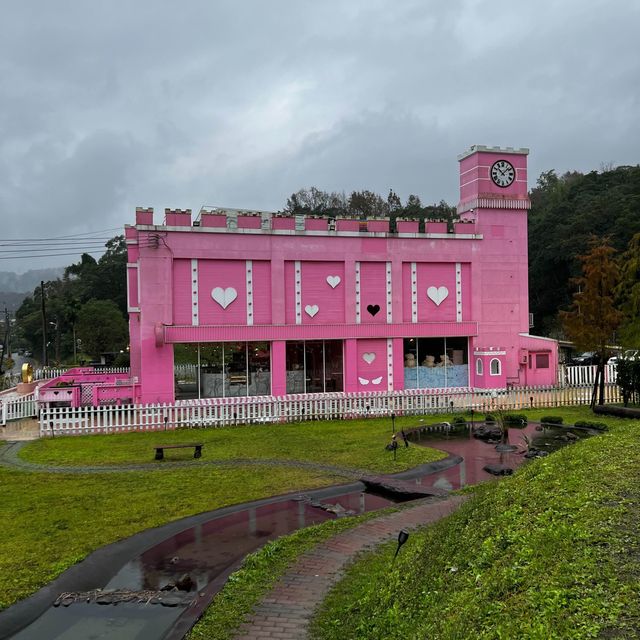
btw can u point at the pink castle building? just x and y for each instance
(274, 305)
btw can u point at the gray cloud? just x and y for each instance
(108, 105)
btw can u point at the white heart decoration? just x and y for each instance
(377, 380)
(437, 294)
(224, 297)
(368, 357)
(333, 281)
(312, 309)
(363, 381)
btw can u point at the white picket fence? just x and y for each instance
(578, 376)
(48, 373)
(15, 408)
(218, 412)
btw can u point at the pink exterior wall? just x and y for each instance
(214, 284)
(373, 290)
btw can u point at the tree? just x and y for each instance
(101, 327)
(628, 293)
(593, 317)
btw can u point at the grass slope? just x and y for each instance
(550, 553)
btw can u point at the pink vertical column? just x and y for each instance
(398, 364)
(277, 291)
(156, 357)
(278, 368)
(350, 365)
(278, 347)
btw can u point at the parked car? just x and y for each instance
(586, 358)
(613, 360)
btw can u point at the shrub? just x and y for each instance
(489, 418)
(551, 419)
(586, 424)
(515, 419)
(459, 421)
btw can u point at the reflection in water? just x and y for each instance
(477, 453)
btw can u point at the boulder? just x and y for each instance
(498, 469)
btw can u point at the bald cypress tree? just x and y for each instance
(592, 319)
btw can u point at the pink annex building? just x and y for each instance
(275, 305)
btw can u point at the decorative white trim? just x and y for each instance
(474, 148)
(130, 307)
(458, 292)
(358, 310)
(489, 353)
(389, 293)
(414, 292)
(249, 274)
(494, 203)
(298, 291)
(195, 313)
(390, 364)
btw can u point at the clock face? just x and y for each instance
(503, 173)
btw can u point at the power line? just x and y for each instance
(76, 235)
(49, 255)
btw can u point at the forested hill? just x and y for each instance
(566, 211)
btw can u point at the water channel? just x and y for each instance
(209, 551)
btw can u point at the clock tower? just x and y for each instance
(493, 178)
(494, 195)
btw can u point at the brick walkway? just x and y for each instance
(286, 611)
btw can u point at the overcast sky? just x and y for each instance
(105, 106)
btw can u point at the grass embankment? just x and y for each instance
(552, 552)
(349, 443)
(50, 521)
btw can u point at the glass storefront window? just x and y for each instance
(223, 369)
(314, 366)
(259, 358)
(435, 363)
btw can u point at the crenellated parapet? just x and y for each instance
(218, 219)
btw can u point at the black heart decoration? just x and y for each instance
(373, 309)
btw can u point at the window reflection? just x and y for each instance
(231, 369)
(314, 366)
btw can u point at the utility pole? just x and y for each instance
(5, 342)
(45, 359)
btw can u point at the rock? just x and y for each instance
(498, 469)
(185, 583)
(535, 453)
(572, 436)
(488, 432)
(506, 448)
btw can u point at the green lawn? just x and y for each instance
(552, 552)
(351, 443)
